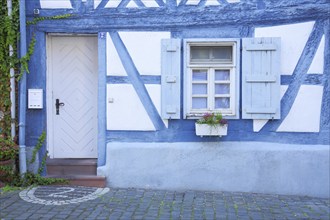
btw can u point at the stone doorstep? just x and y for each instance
(79, 172)
(71, 166)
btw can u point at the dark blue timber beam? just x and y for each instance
(183, 16)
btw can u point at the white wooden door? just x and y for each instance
(72, 79)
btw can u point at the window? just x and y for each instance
(210, 77)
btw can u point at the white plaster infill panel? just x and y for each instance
(125, 110)
(318, 61)
(193, 2)
(305, 113)
(293, 40)
(96, 3)
(258, 124)
(132, 4)
(145, 50)
(55, 4)
(150, 3)
(114, 64)
(212, 2)
(113, 3)
(155, 95)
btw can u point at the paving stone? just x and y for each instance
(126, 216)
(40, 203)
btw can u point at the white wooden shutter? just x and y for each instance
(171, 78)
(261, 78)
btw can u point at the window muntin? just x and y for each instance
(211, 71)
(211, 90)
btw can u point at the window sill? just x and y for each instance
(199, 115)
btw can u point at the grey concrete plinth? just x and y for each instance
(220, 166)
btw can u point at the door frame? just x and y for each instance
(49, 94)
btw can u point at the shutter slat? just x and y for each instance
(170, 98)
(260, 110)
(260, 78)
(261, 84)
(257, 47)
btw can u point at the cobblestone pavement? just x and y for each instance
(68, 202)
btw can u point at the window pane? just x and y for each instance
(222, 103)
(211, 53)
(222, 75)
(199, 75)
(222, 53)
(200, 89)
(222, 89)
(198, 53)
(199, 103)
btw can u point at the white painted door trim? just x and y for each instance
(49, 98)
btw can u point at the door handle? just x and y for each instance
(57, 105)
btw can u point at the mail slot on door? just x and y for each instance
(35, 99)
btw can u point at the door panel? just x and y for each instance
(73, 80)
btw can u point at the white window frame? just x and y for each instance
(234, 67)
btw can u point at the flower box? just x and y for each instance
(211, 130)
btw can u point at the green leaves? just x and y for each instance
(9, 35)
(38, 19)
(212, 119)
(8, 149)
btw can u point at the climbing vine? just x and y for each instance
(9, 35)
(31, 178)
(38, 146)
(38, 19)
(25, 60)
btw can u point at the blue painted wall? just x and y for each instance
(225, 21)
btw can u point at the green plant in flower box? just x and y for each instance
(214, 119)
